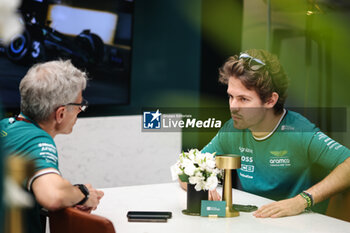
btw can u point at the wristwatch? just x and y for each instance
(85, 191)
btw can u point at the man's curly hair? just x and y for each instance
(266, 80)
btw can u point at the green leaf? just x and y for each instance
(183, 177)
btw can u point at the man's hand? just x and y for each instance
(94, 199)
(183, 185)
(214, 195)
(83, 208)
(288, 207)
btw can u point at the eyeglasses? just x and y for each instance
(254, 63)
(83, 105)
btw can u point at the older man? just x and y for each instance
(51, 99)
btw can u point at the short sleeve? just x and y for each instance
(326, 152)
(214, 145)
(43, 153)
(218, 143)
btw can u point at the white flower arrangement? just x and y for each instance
(198, 169)
(10, 24)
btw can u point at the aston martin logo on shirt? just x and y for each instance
(279, 153)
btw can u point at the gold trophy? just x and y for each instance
(228, 162)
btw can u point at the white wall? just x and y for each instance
(112, 151)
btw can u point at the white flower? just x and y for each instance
(194, 151)
(196, 179)
(200, 186)
(9, 5)
(9, 20)
(199, 168)
(212, 182)
(186, 162)
(209, 156)
(15, 196)
(192, 155)
(211, 164)
(189, 168)
(175, 171)
(200, 158)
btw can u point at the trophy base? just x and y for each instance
(230, 212)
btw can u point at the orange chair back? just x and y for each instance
(71, 220)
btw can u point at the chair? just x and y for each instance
(71, 220)
(339, 206)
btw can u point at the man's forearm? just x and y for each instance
(70, 194)
(53, 192)
(337, 181)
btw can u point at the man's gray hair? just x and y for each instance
(46, 86)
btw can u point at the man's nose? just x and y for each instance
(234, 105)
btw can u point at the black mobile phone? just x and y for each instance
(244, 208)
(132, 219)
(148, 216)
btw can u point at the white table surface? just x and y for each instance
(170, 197)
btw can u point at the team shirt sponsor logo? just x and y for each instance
(247, 168)
(279, 153)
(287, 127)
(49, 152)
(50, 158)
(279, 158)
(246, 162)
(3, 133)
(247, 159)
(246, 176)
(247, 150)
(330, 142)
(281, 161)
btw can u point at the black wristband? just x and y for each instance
(85, 191)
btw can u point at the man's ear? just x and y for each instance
(272, 100)
(60, 113)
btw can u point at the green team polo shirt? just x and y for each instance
(29, 140)
(280, 166)
(26, 139)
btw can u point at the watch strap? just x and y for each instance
(85, 191)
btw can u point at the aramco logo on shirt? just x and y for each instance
(281, 161)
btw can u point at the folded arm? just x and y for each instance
(53, 192)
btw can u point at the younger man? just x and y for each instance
(278, 147)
